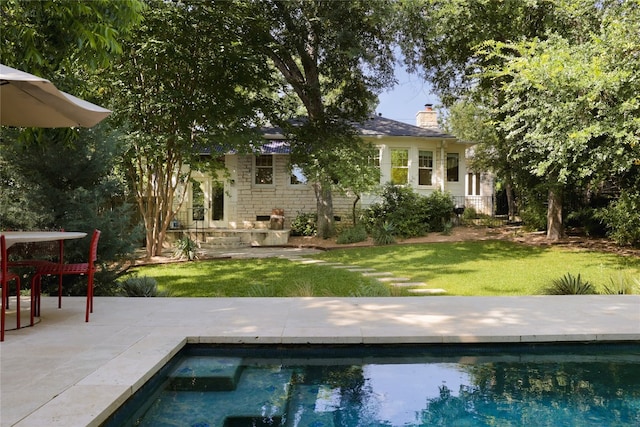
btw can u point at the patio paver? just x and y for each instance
(65, 372)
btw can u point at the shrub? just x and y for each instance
(412, 215)
(439, 209)
(383, 234)
(588, 220)
(304, 224)
(622, 286)
(469, 215)
(185, 247)
(570, 285)
(352, 235)
(622, 219)
(140, 287)
(372, 290)
(534, 217)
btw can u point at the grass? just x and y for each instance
(252, 278)
(464, 268)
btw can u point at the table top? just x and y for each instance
(13, 237)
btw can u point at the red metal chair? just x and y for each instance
(38, 255)
(5, 277)
(52, 269)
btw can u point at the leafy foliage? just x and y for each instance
(185, 247)
(208, 90)
(623, 219)
(143, 286)
(352, 235)
(330, 59)
(304, 224)
(622, 285)
(570, 285)
(383, 234)
(411, 214)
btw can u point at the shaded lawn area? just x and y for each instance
(264, 277)
(490, 268)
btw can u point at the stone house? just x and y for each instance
(264, 191)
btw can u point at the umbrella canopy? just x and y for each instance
(31, 101)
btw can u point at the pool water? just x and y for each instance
(533, 385)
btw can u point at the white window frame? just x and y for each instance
(257, 167)
(429, 168)
(405, 167)
(457, 157)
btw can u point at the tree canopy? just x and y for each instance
(332, 58)
(187, 82)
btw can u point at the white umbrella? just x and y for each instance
(31, 101)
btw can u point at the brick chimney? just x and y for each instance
(427, 118)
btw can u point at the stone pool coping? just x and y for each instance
(65, 372)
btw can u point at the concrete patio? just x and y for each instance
(65, 372)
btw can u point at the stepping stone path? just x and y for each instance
(418, 288)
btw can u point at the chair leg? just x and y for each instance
(89, 308)
(2, 318)
(17, 304)
(60, 291)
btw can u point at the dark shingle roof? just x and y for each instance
(378, 125)
(374, 126)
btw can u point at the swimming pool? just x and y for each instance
(349, 386)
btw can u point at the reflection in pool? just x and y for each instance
(543, 385)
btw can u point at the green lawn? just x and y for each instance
(465, 268)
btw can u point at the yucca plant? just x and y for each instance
(384, 234)
(622, 286)
(185, 247)
(570, 285)
(140, 287)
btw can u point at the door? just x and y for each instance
(207, 203)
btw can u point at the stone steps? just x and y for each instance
(388, 278)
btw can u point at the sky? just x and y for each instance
(404, 100)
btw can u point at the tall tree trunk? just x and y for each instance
(555, 228)
(511, 200)
(324, 202)
(353, 210)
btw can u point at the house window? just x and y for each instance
(400, 167)
(375, 159)
(297, 176)
(264, 170)
(473, 184)
(425, 168)
(453, 167)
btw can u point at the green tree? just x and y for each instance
(64, 178)
(186, 82)
(332, 57)
(572, 114)
(450, 39)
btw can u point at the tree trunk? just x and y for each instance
(511, 201)
(324, 201)
(555, 228)
(353, 210)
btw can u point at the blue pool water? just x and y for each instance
(542, 385)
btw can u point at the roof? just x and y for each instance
(376, 126)
(381, 126)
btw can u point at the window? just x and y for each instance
(453, 167)
(297, 176)
(425, 168)
(473, 184)
(264, 170)
(400, 167)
